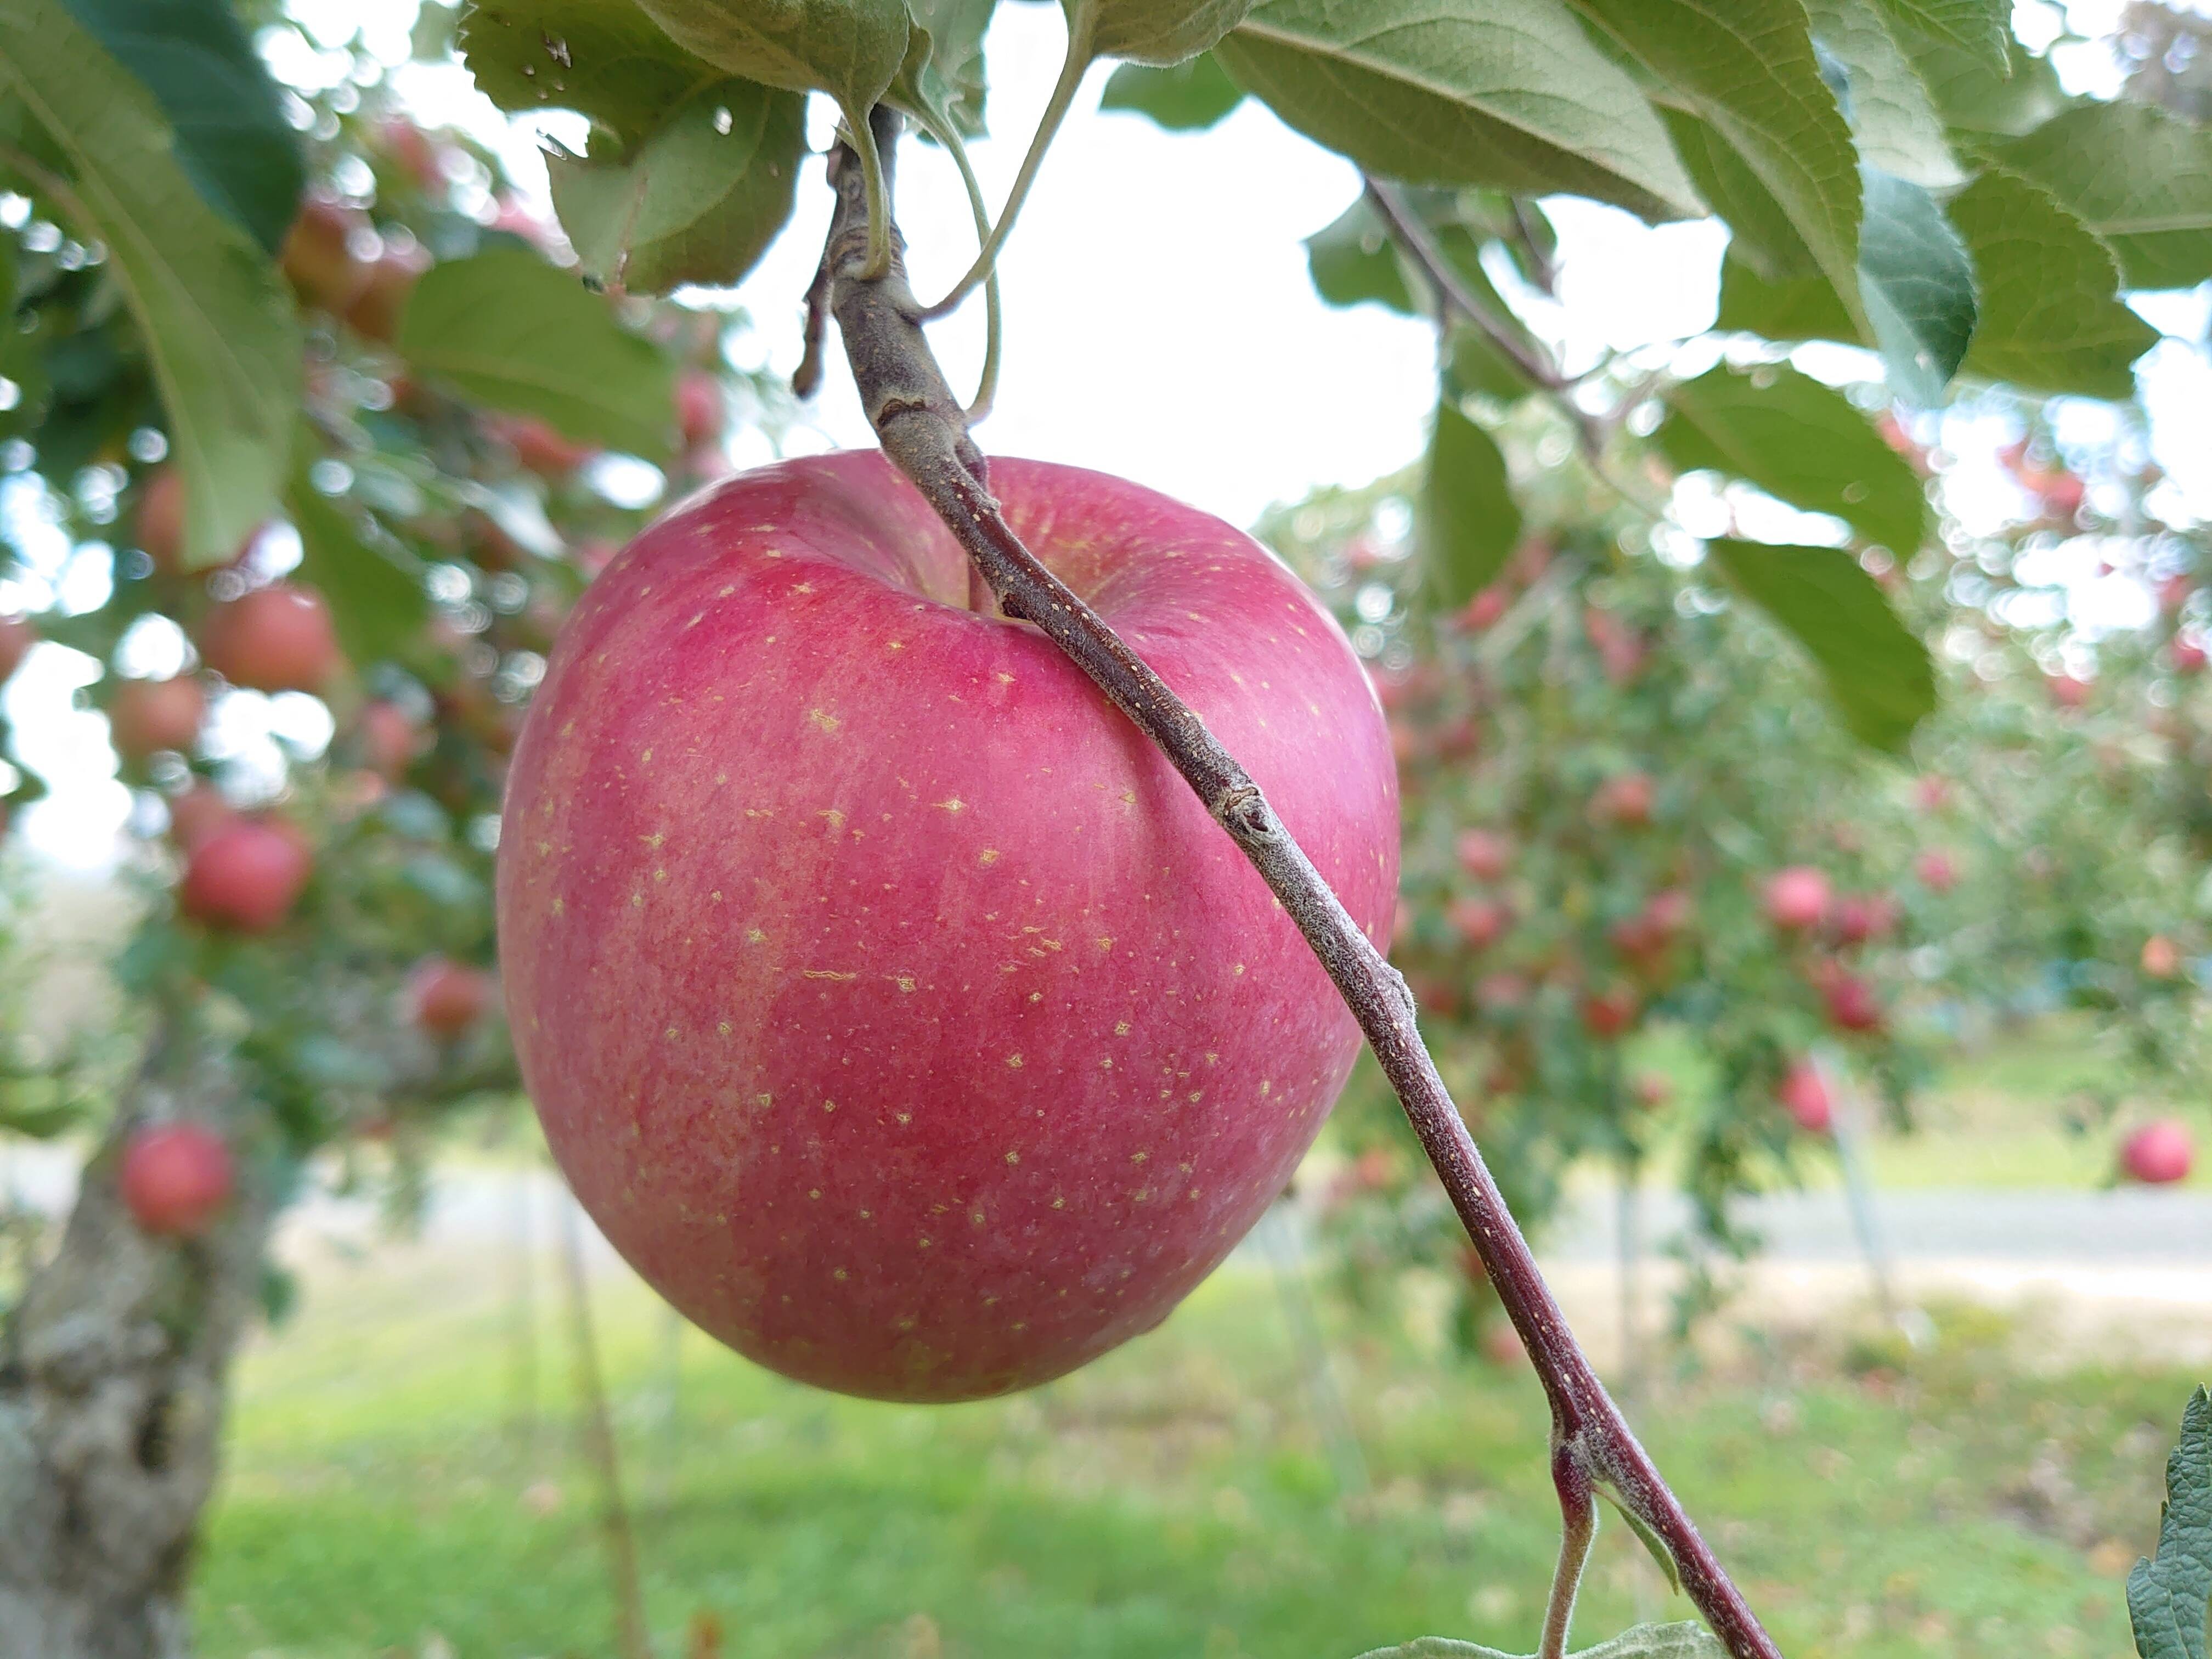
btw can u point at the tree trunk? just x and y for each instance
(111, 1395)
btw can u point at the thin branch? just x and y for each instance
(1452, 292)
(919, 423)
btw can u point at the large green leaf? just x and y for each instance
(232, 141)
(218, 326)
(1470, 523)
(1746, 69)
(2137, 175)
(1981, 98)
(1683, 1641)
(1877, 671)
(850, 49)
(1916, 281)
(1183, 99)
(2051, 317)
(1800, 440)
(1980, 30)
(515, 334)
(1457, 92)
(378, 602)
(1892, 118)
(1161, 32)
(699, 200)
(604, 58)
(2167, 1597)
(943, 74)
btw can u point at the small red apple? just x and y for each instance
(412, 149)
(175, 1178)
(1484, 610)
(278, 638)
(389, 740)
(2066, 691)
(445, 997)
(2173, 590)
(198, 813)
(2187, 655)
(2158, 1154)
(2161, 958)
(17, 636)
(539, 445)
(1626, 798)
(1609, 1012)
(317, 259)
(244, 877)
(1501, 993)
(1481, 922)
(1858, 917)
(147, 716)
(1937, 870)
(700, 412)
(373, 312)
(1803, 1093)
(1852, 1004)
(1484, 854)
(1797, 898)
(894, 1009)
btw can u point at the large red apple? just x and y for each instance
(244, 876)
(174, 1178)
(2158, 1154)
(278, 638)
(147, 716)
(1797, 898)
(890, 1003)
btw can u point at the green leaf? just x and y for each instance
(1683, 1641)
(515, 334)
(1161, 32)
(1460, 93)
(1893, 119)
(1746, 69)
(1184, 99)
(218, 325)
(699, 200)
(2137, 175)
(1915, 283)
(850, 49)
(604, 58)
(1470, 524)
(943, 74)
(2051, 317)
(2167, 1597)
(1801, 441)
(1980, 30)
(378, 602)
(1877, 671)
(232, 141)
(1980, 96)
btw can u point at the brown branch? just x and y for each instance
(919, 423)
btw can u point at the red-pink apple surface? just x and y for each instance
(175, 1177)
(888, 1000)
(278, 638)
(244, 876)
(445, 997)
(1804, 1095)
(1797, 898)
(2158, 1154)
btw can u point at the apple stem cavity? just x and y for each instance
(923, 430)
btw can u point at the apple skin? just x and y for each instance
(888, 1000)
(147, 716)
(1797, 898)
(1484, 854)
(17, 636)
(445, 997)
(2158, 1154)
(1853, 1004)
(244, 876)
(389, 740)
(198, 813)
(278, 638)
(1804, 1095)
(174, 1178)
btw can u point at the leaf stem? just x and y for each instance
(1578, 1531)
(879, 192)
(1082, 24)
(920, 425)
(986, 384)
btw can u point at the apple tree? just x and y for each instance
(1904, 176)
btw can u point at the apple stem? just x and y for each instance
(920, 425)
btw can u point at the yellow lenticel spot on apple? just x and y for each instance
(753, 936)
(1013, 1157)
(1138, 1157)
(839, 1275)
(988, 855)
(956, 805)
(722, 1027)
(828, 722)
(1121, 1028)
(1013, 1062)
(903, 1117)
(1060, 1204)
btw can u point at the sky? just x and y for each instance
(1160, 325)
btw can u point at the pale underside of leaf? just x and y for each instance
(1895, 124)
(2137, 175)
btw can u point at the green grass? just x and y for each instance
(383, 1497)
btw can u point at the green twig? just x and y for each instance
(987, 386)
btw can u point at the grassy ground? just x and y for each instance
(1176, 1499)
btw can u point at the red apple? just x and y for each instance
(389, 740)
(1481, 922)
(1803, 1093)
(445, 997)
(17, 636)
(1485, 609)
(1609, 1012)
(147, 716)
(2161, 958)
(2158, 1154)
(1797, 898)
(1501, 993)
(2066, 691)
(373, 313)
(1626, 798)
(1938, 872)
(1858, 917)
(317, 259)
(244, 876)
(699, 412)
(198, 813)
(2173, 590)
(1484, 854)
(2188, 654)
(894, 1007)
(276, 638)
(1852, 1004)
(174, 1178)
(539, 445)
